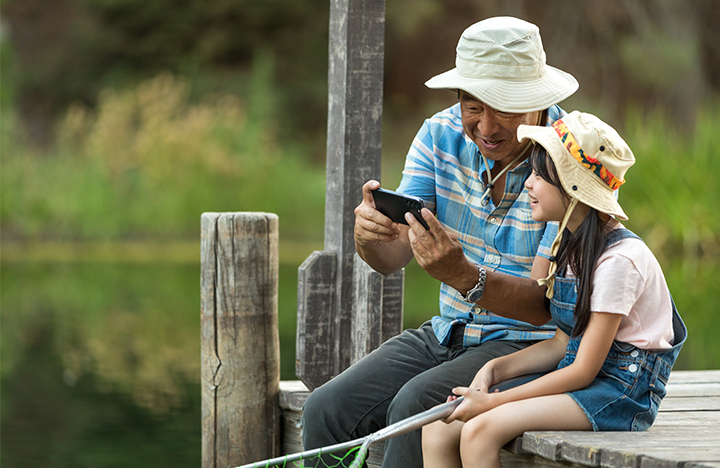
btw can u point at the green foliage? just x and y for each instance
(149, 162)
(674, 185)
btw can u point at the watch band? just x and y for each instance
(474, 294)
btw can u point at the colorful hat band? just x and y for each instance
(591, 163)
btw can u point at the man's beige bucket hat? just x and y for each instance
(501, 62)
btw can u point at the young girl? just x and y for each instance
(618, 332)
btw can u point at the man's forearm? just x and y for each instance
(385, 257)
(515, 298)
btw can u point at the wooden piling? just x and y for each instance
(240, 348)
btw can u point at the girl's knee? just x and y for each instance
(477, 429)
(432, 436)
(441, 444)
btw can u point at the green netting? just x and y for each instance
(353, 457)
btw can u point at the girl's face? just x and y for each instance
(547, 202)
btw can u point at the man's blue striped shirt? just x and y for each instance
(444, 168)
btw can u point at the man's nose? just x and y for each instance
(488, 124)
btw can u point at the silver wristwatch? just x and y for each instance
(476, 292)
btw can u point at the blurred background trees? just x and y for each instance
(650, 53)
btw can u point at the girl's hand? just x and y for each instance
(484, 378)
(476, 402)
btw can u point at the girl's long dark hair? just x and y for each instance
(581, 249)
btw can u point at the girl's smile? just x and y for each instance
(546, 200)
(550, 203)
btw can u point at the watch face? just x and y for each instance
(474, 296)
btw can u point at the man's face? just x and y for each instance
(494, 132)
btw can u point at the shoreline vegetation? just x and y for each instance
(129, 251)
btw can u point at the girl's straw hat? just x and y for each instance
(501, 62)
(590, 157)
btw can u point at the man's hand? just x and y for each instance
(371, 226)
(382, 243)
(440, 253)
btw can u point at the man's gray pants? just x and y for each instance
(406, 375)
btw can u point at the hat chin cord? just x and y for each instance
(491, 180)
(550, 280)
(484, 200)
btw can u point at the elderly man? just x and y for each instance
(468, 166)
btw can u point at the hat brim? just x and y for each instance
(576, 179)
(511, 95)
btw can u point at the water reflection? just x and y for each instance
(100, 365)
(101, 362)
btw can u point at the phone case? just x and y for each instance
(394, 205)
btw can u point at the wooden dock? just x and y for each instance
(248, 414)
(686, 433)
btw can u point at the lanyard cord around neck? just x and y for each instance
(484, 200)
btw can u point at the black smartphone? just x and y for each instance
(394, 205)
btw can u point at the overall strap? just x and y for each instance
(616, 235)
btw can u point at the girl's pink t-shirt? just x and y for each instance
(628, 280)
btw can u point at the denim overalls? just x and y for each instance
(626, 394)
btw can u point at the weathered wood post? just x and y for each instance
(240, 348)
(331, 330)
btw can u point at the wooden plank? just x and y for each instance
(697, 419)
(293, 394)
(668, 444)
(705, 389)
(392, 305)
(377, 313)
(240, 343)
(211, 370)
(354, 141)
(367, 312)
(670, 404)
(702, 376)
(620, 449)
(315, 342)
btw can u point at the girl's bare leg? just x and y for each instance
(483, 436)
(441, 445)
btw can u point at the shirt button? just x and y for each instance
(493, 221)
(634, 353)
(632, 368)
(491, 259)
